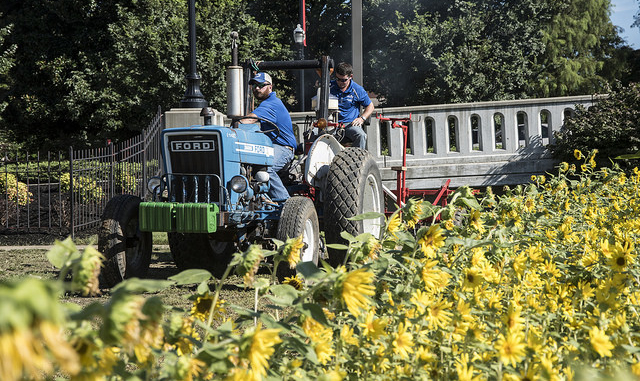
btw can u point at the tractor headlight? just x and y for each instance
(153, 184)
(239, 184)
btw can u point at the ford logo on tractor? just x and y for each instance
(190, 146)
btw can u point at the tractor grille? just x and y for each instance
(194, 167)
(194, 188)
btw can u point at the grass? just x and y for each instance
(20, 263)
(159, 238)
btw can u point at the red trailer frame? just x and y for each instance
(402, 192)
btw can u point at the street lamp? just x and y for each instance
(298, 38)
(193, 97)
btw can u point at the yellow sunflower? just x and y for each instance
(619, 255)
(472, 278)
(403, 342)
(431, 241)
(373, 327)
(600, 342)
(394, 224)
(511, 349)
(292, 250)
(357, 287)
(294, 281)
(262, 347)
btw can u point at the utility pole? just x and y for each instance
(356, 40)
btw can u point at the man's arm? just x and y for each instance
(249, 120)
(359, 121)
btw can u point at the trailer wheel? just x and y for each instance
(299, 217)
(198, 251)
(127, 250)
(353, 187)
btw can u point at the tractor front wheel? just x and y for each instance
(126, 249)
(299, 218)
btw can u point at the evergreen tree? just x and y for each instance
(579, 40)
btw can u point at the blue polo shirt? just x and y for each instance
(273, 110)
(350, 100)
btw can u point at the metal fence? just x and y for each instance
(65, 192)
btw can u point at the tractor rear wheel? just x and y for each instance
(298, 218)
(353, 187)
(198, 251)
(126, 249)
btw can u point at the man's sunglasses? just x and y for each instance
(260, 85)
(343, 80)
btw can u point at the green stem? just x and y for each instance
(216, 295)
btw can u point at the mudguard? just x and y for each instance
(319, 159)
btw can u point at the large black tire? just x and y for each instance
(299, 217)
(199, 251)
(127, 250)
(353, 187)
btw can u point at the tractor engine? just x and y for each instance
(214, 178)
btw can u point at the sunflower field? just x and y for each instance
(538, 283)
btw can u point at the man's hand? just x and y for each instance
(249, 120)
(359, 121)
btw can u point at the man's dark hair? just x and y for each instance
(344, 68)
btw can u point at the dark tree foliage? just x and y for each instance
(612, 127)
(454, 51)
(92, 70)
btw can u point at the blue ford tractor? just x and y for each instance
(212, 197)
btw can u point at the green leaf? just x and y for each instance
(630, 348)
(309, 270)
(61, 252)
(314, 311)
(380, 266)
(283, 294)
(628, 156)
(347, 236)
(89, 311)
(203, 287)
(337, 246)
(261, 284)
(366, 216)
(471, 203)
(191, 276)
(137, 285)
(57, 256)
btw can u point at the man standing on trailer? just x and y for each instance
(350, 97)
(272, 109)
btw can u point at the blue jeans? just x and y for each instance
(357, 135)
(282, 155)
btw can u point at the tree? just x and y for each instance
(579, 40)
(612, 127)
(96, 70)
(6, 62)
(455, 51)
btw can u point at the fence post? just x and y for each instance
(144, 165)
(112, 184)
(72, 209)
